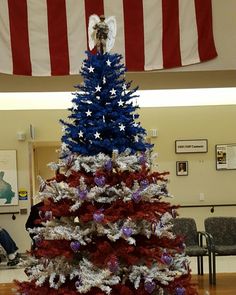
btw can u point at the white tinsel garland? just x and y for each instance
(92, 276)
(158, 272)
(67, 229)
(90, 164)
(106, 194)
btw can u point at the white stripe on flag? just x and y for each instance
(188, 32)
(76, 33)
(152, 11)
(5, 42)
(115, 8)
(38, 38)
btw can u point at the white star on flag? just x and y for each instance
(97, 135)
(91, 69)
(113, 91)
(81, 134)
(135, 124)
(120, 103)
(104, 80)
(88, 113)
(108, 63)
(98, 88)
(136, 138)
(122, 127)
(98, 97)
(124, 87)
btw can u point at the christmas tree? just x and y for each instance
(106, 228)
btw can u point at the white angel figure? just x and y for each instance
(101, 32)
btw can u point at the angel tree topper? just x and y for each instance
(101, 32)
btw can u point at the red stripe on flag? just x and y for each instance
(57, 35)
(134, 34)
(206, 46)
(170, 34)
(92, 7)
(19, 37)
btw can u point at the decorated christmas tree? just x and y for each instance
(107, 227)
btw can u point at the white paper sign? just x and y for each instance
(191, 146)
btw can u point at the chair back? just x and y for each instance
(187, 228)
(222, 229)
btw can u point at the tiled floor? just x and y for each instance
(10, 273)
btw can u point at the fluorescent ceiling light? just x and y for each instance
(147, 98)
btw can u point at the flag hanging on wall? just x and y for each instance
(48, 37)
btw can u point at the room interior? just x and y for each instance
(204, 192)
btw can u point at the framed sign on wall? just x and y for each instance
(8, 178)
(182, 168)
(191, 146)
(226, 156)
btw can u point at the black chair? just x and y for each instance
(223, 232)
(198, 243)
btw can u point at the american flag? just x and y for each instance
(49, 37)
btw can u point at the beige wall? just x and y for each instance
(215, 123)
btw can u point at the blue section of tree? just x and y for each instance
(103, 117)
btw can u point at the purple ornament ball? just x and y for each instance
(98, 217)
(142, 159)
(180, 291)
(83, 194)
(75, 245)
(113, 266)
(167, 259)
(108, 165)
(100, 181)
(144, 183)
(127, 231)
(149, 286)
(136, 197)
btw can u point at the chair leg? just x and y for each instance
(213, 268)
(198, 265)
(201, 265)
(210, 268)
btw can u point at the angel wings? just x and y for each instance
(101, 32)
